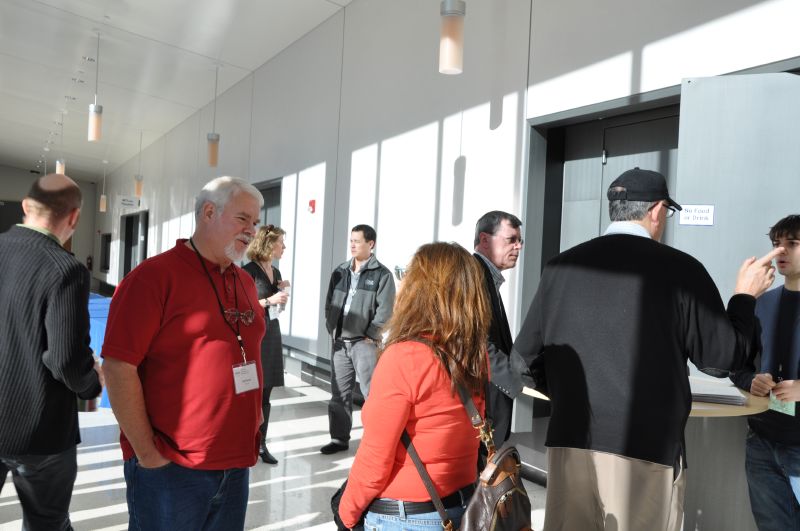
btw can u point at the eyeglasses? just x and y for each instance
(513, 240)
(670, 209)
(246, 317)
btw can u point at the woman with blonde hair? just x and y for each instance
(437, 342)
(268, 245)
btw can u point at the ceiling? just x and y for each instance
(157, 66)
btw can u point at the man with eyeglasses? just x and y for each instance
(182, 358)
(45, 359)
(498, 242)
(607, 338)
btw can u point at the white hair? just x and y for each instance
(219, 192)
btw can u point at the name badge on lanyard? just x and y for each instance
(245, 374)
(245, 377)
(776, 404)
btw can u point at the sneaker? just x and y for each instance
(333, 447)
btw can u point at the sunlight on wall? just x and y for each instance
(288, 209)
(186, 225)
(604, 80)
(307, 254)
(153, 238)
(173, 232)
(407, 194)
(478, 169)
(113, 277)
(719, 46)
(363, 181)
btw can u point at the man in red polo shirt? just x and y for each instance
(182, 362)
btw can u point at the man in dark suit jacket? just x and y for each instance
(45, 359)
(498, 242)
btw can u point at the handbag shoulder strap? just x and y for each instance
(447, 524)
(486, 435)
(479, 423)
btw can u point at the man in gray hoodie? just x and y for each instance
(359, 303)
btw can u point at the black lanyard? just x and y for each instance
(237, 331)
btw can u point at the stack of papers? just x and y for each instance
(716, 391)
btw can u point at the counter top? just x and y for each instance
(754, 404)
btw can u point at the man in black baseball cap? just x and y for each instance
(641, 185)
(607, 338)
(639, 203)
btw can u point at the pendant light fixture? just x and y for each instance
(451, 39)
(95, 110)
(103, 198)
(213, 136)
(139, 178)
(61, 164)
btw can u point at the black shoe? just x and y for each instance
(267, 457)
(333, 447)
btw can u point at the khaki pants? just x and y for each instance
(589, 490)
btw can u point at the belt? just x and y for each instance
(351, 340)
(392, 507)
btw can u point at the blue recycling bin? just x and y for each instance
(98, 316)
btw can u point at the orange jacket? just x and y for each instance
(410, 390)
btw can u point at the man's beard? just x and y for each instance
(231, 252)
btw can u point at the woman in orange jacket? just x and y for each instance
(437, 341)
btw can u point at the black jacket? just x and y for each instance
(505, 369)
(608, 336)
(372, 304)
(45, 359)
(504, 376)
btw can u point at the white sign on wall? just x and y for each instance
(697, 215)
(128, 201)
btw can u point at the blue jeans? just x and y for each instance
(415, 522)
(773, 479)
(176, 498)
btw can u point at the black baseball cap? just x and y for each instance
(641, 185)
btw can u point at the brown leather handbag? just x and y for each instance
(500, 501)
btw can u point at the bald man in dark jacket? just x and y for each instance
(45, 359)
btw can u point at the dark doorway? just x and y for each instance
(134, 227)
(271, 212)
(596, 153)
(10, 214)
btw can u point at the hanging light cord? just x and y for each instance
(140, 153)
(97, 69)
(214, 120)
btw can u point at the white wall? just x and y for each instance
(14, 186)
(588, 52)
(355, 117)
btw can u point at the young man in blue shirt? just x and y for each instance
(773, 443)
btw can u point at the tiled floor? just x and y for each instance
(292, 495)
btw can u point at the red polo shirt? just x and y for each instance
(165, 319)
